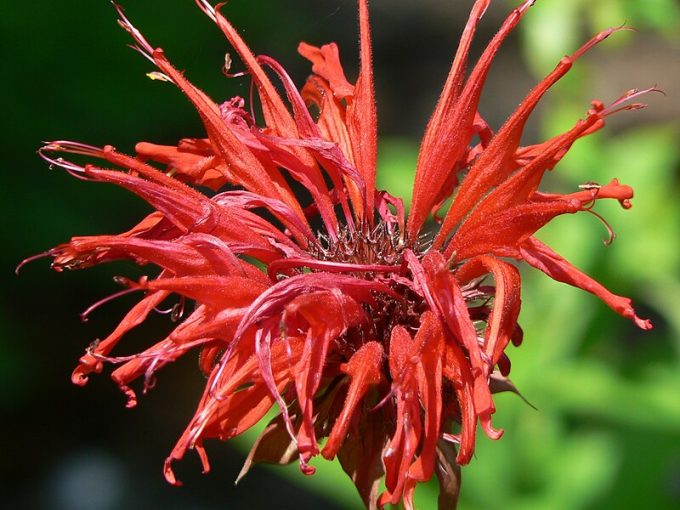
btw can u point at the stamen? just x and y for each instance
(227, 66)
(598, 39)
(73, 148)
(385, 399)
(144, 47)
(616, 106)
(85, 315)
(590, 185)
(158, 76)
(207, 8)
(72, 168)
(42, 255)
(160, 355)
(177, 310)
(163, 311)
(525, 6)
(451, 438)
(610, 230)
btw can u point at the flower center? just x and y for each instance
(380, 246)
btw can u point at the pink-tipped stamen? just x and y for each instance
(207, 8)
(27, 260)
(618, 106)
(85, 316)
(144, 47)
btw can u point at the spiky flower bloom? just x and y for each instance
(366, 330)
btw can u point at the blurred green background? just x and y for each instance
(606, 434)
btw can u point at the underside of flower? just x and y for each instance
(378, 345)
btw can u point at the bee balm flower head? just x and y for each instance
(340, 309)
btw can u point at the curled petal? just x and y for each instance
(503, 319)
(326, 63)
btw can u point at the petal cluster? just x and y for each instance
(380, 342)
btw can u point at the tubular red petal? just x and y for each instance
(247, 200)
(197, 168)
(449, 140)
(592, 192)
(441, 121)
(502, 233)
(362, 120)
(328, 315)
(218, 292)
(271, 302)
(497, 160)
(333, 126)
(429, 342)
(313, 179)
(537, 254)
(193, 213)
(90, 363)
(519, 188)
(402, 448)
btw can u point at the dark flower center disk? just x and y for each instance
(377, 246)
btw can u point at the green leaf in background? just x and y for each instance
(397, 159)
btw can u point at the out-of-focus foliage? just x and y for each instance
(557, 27)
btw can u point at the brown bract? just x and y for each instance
(338, 309)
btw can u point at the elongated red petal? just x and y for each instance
(328, 315)
(91, 362)
(497, 160)
(503, 232)
(537, 254)
(428, 345)
(448, 139)
(362, 120)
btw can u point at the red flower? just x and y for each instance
(339, 308)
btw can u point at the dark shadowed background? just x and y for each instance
(607, 431)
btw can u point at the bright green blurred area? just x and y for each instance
(606, 434)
